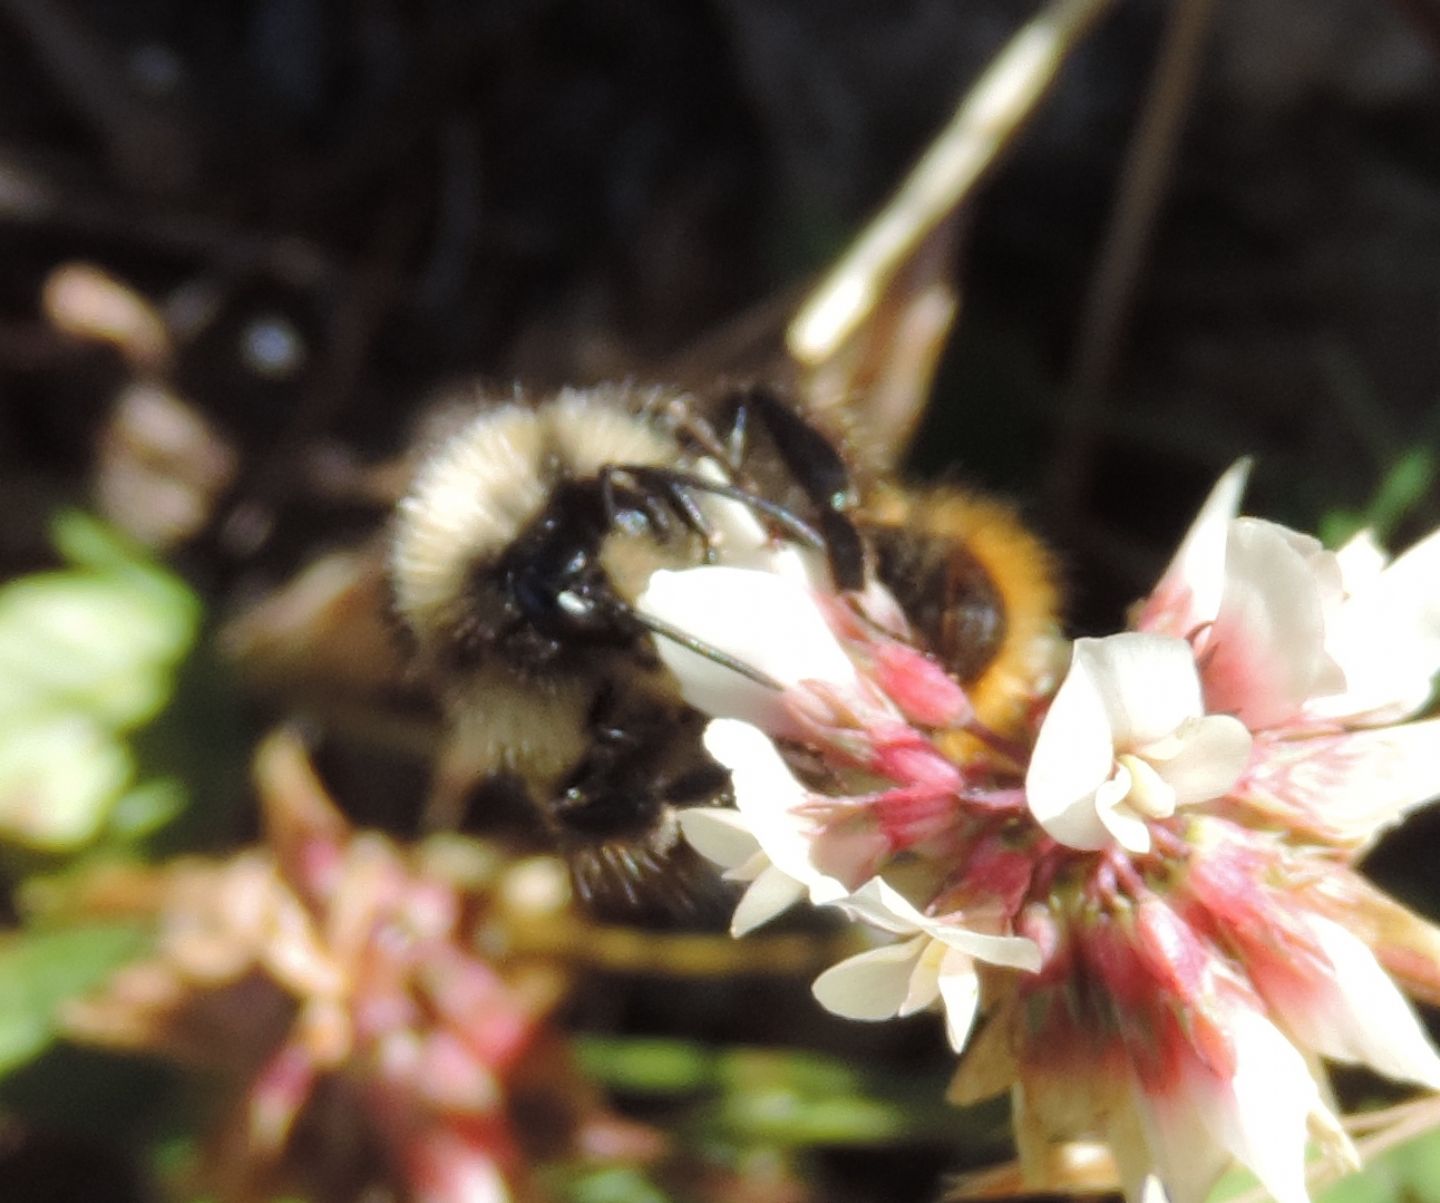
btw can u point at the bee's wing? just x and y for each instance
(868, 391)
(871, 388)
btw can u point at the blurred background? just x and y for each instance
(245, 244)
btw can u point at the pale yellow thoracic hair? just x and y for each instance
(480, 488)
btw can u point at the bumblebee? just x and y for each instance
(516, 559)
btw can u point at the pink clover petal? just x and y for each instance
(1260, 1114)
(925, 693)
(1176, 1147)
(1348, 787)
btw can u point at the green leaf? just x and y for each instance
(1408, 1173)
(648, 1066)
(60, 774)
(616, 1184)
(1409, 483)
(88, 655)
(40, 970)
(786, 1098)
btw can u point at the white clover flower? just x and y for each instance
(1126, 740)
(764, 841)
(1289, 633)
(936, 965)
(1385, 634)
(1176, 1006)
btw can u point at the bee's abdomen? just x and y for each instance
(948, 595)
(978, 587)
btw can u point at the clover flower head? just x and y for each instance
(1151, 892)
(331, 956)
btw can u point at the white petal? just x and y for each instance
(1366, 1018)
(1187, 1159)
(769, 894)
(1148, 684)
(1361, 561)
(1410, 586)
(960, 992)
(1013, 952)
(748, 869)
(762, 782)
(1129, 830)
(1150, 795)
(1122, 693)
(1188, 593)
(1266, 1125)
(1074, 754)
(1387, 638)
(871, 985)
(719, 835)
(768, 622)
(1124, 1132)
(924, 985)
(879, 904)
(766, 795)
(1213, 751)
(1265, 655)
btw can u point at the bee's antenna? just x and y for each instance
(790, 522)
(659, 626)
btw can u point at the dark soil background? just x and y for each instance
(338, 208)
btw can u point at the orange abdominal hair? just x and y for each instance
(979, 588)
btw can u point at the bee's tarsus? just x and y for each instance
(845, 550)
(789, 522)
